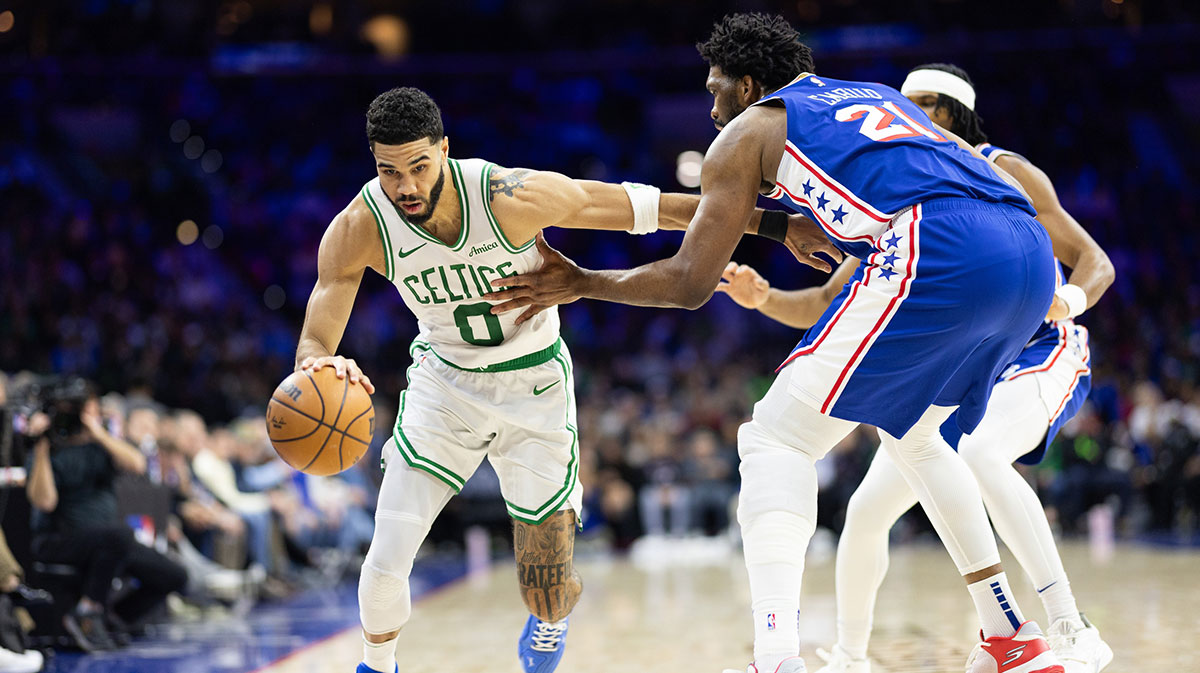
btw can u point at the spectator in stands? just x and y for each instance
(14, 656)
(210, 464)
(664, 498)
(709, 469)
(73, 466)
(1085, 448)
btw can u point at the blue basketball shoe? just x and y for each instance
(363, 668)
(541, 645)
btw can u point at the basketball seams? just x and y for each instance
(317, 390)
(305, 414)
(320, 424)
(293, 409)
(333, 427)
(341, 460)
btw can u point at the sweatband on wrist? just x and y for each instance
(773, 225)
(644, 199)
(1075, 298)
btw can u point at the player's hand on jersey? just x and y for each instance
(343, 366)
(1058, 309)
(744, 285)
(558, 281)
(805, 239)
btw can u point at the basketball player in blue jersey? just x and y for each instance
(480, 385)
(1035, 395)
(957, 275)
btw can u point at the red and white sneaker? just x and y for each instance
(789, 665)
(1026, 651)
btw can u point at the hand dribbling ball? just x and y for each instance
(318, 423)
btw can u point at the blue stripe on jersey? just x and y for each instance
(835, 168)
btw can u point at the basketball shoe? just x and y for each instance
(541, 645)
(1078, 645)
(1026, 651)
(789, 665)
(363, 668)
(840, 661)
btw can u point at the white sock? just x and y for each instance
(853, 637)
(998, 612)
(380, 656)
(1059, 601)
(776, 588)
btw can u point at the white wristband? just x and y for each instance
(644, 199)
(1075, 298)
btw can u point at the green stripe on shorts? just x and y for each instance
(414, 459)
(540, 514)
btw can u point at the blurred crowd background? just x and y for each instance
(167, 170)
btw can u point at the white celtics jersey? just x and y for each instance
(442, 284)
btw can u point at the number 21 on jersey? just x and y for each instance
(885, 122)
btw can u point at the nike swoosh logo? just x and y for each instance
(405, 253)
(539, 391)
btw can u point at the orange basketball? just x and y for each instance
(318, 423)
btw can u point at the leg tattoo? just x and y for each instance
(550, 586)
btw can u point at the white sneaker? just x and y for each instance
(29, 661)
(1078, 645)
(789, 665)
(840, 661)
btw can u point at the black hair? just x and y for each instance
(967, 125)
(764, 46)
(402, 115)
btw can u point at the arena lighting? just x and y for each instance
(187, 232)
(212, 237)
(274, 297)
(211, 161)
(388, 33)
(320, 19)
(687, 168)
(6, 21)
(180, 130)
(193, 147)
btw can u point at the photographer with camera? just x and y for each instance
(74, 463)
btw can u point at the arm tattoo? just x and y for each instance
(549, 584)
(507, 182)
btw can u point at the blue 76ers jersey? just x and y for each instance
(858, 154)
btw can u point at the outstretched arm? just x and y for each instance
(730, 181)
(1091, 270)
(795, 308)
(526, 202)
(349, 246)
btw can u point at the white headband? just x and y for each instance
(940, 81)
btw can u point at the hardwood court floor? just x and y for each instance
(690, 619)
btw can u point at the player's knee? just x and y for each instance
(777, 480)
(777, 537)
(919, 444)
(394, 545)
(384, 600)
(858, 510)
(981, 455)
(755, 437)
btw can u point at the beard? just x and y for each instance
(734, 110)
(430, 203)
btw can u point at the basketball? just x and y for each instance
(318, 423)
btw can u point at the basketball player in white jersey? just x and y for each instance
(1038, 392)
(480, 385)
